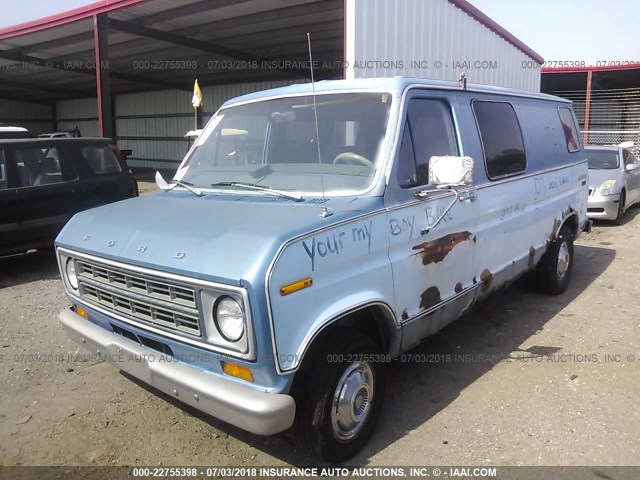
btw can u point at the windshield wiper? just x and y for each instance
(259, 188)
(162, 183)
(186, 185)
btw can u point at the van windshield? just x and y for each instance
(273, 143)
(602, 159)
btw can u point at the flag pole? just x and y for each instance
(196, 101)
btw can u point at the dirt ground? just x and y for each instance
(524, 380)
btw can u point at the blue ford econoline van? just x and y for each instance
(315, 232)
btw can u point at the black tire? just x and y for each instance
(553, 273)
(317, 428)
(619, 220)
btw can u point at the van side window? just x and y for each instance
(429, 132)
(3, 171)
(501, 138)
(569, 128)
(40, 166)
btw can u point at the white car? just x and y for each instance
(14, 132)
(61, 134)
(614, 181)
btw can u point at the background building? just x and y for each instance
(125, 68)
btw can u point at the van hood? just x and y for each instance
(220, 237)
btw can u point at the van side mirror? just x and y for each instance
(450, 171)
(632, 167)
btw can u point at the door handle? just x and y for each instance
(469, 196)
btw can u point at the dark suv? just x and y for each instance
(44, 182)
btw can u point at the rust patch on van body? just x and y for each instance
(485, 277)
(405, 315)
(532, 255)
(436, 250)
(458, 287)
(429, 298)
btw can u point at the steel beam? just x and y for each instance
(103, 80)
(34, 87)
(58, 65)
(587, 106)
(169, 37)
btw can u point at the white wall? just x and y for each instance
(401, 32)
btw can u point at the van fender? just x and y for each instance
(336, 313)
(568, 216)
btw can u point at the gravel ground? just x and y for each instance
(553, 400)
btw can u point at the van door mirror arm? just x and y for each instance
(467, 196)
(451, 192)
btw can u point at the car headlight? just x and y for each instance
(229, 318)
(70, 270)
(606, 188)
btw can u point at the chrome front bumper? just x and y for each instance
(603, 208)
(249, 409)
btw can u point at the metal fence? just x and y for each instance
(607, 116)
(612, 137)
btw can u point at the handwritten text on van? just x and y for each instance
(334, 243)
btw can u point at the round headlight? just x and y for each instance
(70, 268)
(229, 319)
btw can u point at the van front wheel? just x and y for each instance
(339, 397)
(553, 273)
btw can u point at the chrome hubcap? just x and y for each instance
(352, 401)
(563, 260)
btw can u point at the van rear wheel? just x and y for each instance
(553, 273)
(338, 397)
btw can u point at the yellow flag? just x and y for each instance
(197, 99)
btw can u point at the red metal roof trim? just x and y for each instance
(604, 68)
(491, 25)
(64, 18)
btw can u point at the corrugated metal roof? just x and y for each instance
(167, 44)
(158, 44)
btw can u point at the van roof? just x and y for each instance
(396, 85)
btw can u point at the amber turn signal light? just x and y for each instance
(237, 371)
(294, 287)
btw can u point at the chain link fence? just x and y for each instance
(612, 137)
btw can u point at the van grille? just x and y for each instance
(139, 297)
